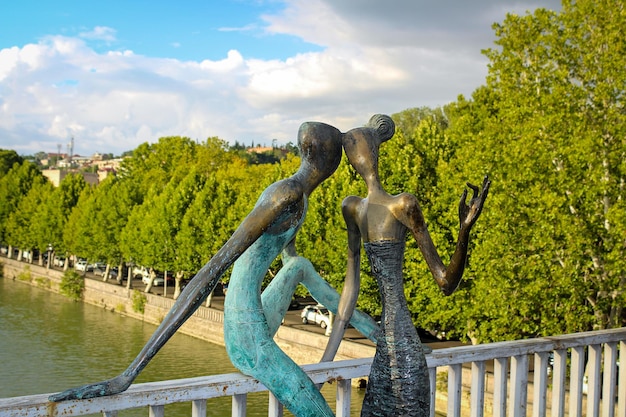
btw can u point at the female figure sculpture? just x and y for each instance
(252, 319)
(398, 382)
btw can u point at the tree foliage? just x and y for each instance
(548, 127)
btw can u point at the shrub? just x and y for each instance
(139, 301)
(25, 275)
(42, 282)
(72, 285)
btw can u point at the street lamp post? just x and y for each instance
(50, 250)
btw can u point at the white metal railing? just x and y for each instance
(576, 373)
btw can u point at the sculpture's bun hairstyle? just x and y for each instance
(384, 125)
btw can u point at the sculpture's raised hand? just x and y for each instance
(468, 213)
(99, 389)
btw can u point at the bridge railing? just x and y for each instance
(573, 375)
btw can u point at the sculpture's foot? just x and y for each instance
(100, 389)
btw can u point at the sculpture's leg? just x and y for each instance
(278, 294)
(252, 350)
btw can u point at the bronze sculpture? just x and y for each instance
(381, 221)
(398, 382)
(251, 320)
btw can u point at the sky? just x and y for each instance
(117, 73)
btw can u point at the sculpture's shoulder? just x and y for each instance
(352, 203)
(407, 200)
(283, 193)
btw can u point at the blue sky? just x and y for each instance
(185, 30)
(114, 74)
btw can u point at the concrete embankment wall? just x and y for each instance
(206, 323)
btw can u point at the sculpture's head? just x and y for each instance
(320, 150)
(362, 144)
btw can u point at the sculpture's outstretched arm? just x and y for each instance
(278, 197)
(447, 278)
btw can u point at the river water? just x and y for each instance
(49, 343)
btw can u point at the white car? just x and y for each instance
(58, 261)
(81, 265)
(141, 272)
(158, 280)
(100, 269)
(316, 314)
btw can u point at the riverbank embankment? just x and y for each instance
(206, 323)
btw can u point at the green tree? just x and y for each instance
(55, 210)
(77, 232)
(14, 186)
(8, 158)
(24, 223)
(548, 128)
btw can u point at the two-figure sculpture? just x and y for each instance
(251, 318)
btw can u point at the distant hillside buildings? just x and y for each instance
(94, 169)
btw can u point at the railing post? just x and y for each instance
(275, 408)
(477, 393)
(500, 378)
(558, 383)
(621, 394)
(455, 377)
(540, 384)
(519, 385)
(594, 380)
(577, 371)
(344, 396)
(198, 408)
(157, 411)
(432, 373)
(239, 402)
(609, 379)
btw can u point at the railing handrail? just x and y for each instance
(205, 387)
(489, 351)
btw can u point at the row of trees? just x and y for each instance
(547, 255)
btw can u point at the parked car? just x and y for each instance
(114, 272)
(141, 272)
(159, 280)
(316, 314)
(81, 265)
(58, 261)
(100, 269)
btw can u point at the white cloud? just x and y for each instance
(375, 60)
(246, 28)
(100, 33)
